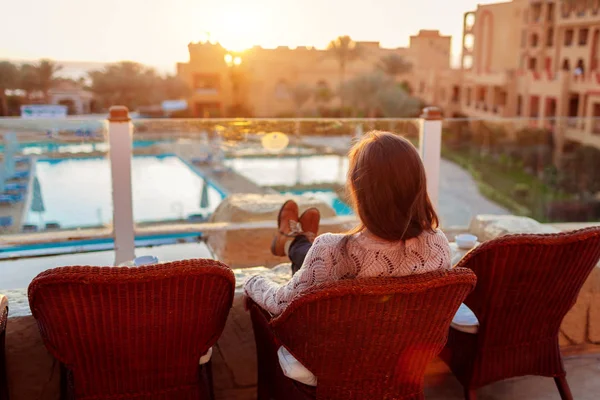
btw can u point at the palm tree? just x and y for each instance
(345, 51)
(301, 93)
(9, 79)
(46, 71)
(395, 102)
(394, 65)
(363, 91)
(375, 93)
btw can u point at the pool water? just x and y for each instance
(295, 172)
(292, 171)
(82, 147)
(328, 196)
(76, 192)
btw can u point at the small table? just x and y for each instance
(457, 253)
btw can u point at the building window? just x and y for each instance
(456, 94)
(550, 12)
(569, 37)
(581, 7)
(534, 40)
(566, 65)
(580, 68)
(596, 126)
(469, 96)
(595, 7)
(534, 106)
(565, 9)
(536, 12)
(550, 37)
(583, 36)
(519, 105)
(532, 64)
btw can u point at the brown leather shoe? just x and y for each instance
(309, 220)
(287, 226)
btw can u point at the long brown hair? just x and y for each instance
(388, 188)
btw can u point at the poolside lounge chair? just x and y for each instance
(362, 339)
(3, 321)
(140, 331)
(17, 187)
(11, 198)
(20, 174)
(525, 286)
(6, 222)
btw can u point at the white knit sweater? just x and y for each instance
(367, 257)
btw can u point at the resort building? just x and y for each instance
(532, 59)
(264, 79)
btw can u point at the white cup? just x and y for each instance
(466, 241)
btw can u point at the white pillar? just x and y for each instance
(120, 131)
(430, 148)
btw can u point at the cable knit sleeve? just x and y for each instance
(275, 298)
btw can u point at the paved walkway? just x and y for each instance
(460, 199)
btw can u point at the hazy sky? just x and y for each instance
(157, 32)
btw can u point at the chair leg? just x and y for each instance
(209, 374)
(470, 394)
(563, 387)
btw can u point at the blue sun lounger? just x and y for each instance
(11, 198)
(6, 222)
(14, 187)
(20, 174)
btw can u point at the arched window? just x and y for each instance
(580, 68)
(566, 66)
(534, 40)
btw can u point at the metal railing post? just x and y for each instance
(120, 133)
(430, 148)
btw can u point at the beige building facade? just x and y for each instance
(524, 59)
(534, 60)
(264, 79)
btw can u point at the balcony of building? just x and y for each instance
(101, 192)
(577, 12)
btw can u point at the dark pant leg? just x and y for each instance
(297, 252)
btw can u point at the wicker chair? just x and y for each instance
(525, 286)
(135, 333)
(362, 339)
(3, 320)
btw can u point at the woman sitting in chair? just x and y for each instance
(397, 235)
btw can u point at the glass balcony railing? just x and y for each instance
(528, 167)
(58, 172)
(46, 170)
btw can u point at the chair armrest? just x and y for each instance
(3, 312)
(249, 304)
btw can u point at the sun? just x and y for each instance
(240, 26)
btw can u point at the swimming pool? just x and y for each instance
(300, 171)
(76, 192)
(328, 196)
(292, 171)
(83, 147)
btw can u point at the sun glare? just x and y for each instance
(240, 26)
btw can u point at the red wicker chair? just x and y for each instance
(134, 333)
(3, 320)
(363, 339)
(525, 286)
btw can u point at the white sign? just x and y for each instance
(32, 111)
(174, 105)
